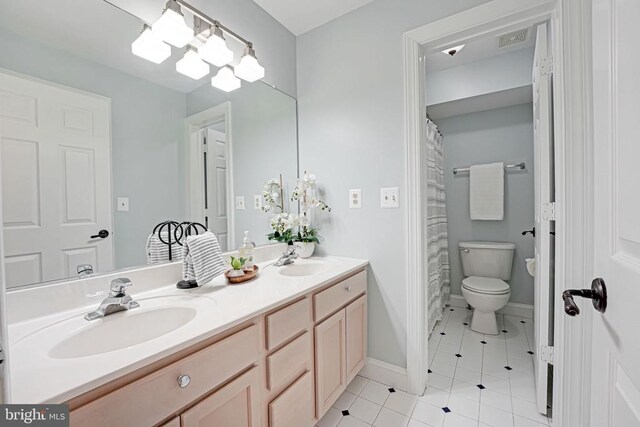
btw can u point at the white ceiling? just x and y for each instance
(474, 50)
(300, 16)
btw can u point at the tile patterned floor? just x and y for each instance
(474, 380)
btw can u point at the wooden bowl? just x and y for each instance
(241, 279)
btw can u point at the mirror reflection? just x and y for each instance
(99, 149)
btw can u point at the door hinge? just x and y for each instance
(549, 211)
(546, 68)
(546, 354)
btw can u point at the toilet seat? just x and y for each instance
(486, 285)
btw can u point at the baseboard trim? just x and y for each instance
(511, 309)
(385, 373)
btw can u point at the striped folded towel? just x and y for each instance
(159, 252)
(202, 258)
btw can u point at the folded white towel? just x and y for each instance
(157, 251)
(202, 258)
(486, 191)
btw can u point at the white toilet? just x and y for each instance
(486, 266)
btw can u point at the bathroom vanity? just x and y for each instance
(277, 351)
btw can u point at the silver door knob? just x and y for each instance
(184, 380)
(347, 288)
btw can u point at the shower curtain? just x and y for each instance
(435, 224)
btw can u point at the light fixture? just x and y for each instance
(225, 80)
(192, 65)
(453, 50)
(149, 47)
(171, 26)
(248, 69)
(215, 49)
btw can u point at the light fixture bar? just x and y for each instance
(213, 22)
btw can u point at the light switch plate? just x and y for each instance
(257, 201)
(240, 203)
(123, 204)
(390, 197)
(355, 199)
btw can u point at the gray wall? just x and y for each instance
(504, 134)
(264, 144)
(350, 103)
(147, 137)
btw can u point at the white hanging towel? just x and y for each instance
(202, 258)
(486, 191)
(159, 252)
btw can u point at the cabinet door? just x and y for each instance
(175, 422)
(294, 407)
(356, 321)
(235, 405)
(331, 370)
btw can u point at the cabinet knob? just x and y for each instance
(347, 288)
(184, 380)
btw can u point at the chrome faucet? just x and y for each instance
(287, 257)
(118, 300)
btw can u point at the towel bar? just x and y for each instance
(512, 166)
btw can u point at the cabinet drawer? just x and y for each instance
(153, 398)
(294, 407)
(287, 322)
(335, 297)
(289, 362)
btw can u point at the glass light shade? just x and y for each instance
(192, 66)
(172, 28)
(225, 80)
(215, 51)
(248, 69)
(150, 47)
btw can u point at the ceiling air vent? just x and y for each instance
(513, 38)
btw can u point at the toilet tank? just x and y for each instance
(487, 259)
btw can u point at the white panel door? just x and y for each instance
(217, 218)
(56, 174)
(542, 140)
(615, 371)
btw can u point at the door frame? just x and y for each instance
(195, 186)
(570, 23)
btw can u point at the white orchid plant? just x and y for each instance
(288, 227)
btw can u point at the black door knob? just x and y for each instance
(532, 231)
(597, 294)
(103, 234)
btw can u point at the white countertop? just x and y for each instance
(36, 377)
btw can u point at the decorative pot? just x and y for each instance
(305, 249)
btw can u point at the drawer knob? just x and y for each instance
(184, 380)
(347, 288)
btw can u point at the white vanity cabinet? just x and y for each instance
(284, 368)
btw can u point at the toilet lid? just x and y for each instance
(486, 285)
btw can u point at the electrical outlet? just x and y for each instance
(123, 204)
(355, 199)
(390, 197)
(257, 201)
(240, 203)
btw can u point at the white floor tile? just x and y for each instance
(344, 401)
(415, 423)
(401, 402)
(466, 390)
(526, 422)
(331, 418)
(528, 410)
(442, 368)
(468, 376)
(440, 382)
(357, 384)
(389, 418)
(495, 399)
(495, 417)
(498, 384)
(455, 420)
(352, 422)
(464, 407)
(364, 410)
(375, 392)
(428, 414)
(436, 397)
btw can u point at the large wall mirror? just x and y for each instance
(98, 146)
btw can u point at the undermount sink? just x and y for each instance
(306, 269)
(121, 330)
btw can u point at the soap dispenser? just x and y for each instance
(246, 251)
